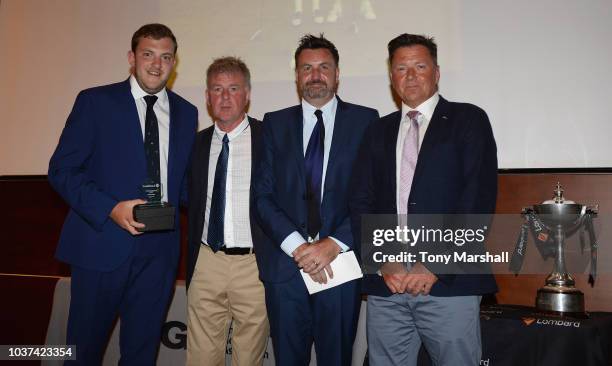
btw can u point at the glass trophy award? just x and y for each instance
(155, 214)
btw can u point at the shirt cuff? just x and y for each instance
(291, 242)
(342, 246)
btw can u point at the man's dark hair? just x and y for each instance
(310, 42)
(408, 40)
(155, 31)
(228, 64)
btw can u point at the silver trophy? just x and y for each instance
(551, 222)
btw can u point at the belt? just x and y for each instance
(237, 251)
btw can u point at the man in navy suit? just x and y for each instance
(99, 168)
(432, 157)
(302, 201)
(222, 276)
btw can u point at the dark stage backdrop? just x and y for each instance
(33, 215)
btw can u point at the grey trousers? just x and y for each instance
(449, 327)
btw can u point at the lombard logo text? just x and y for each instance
(559, 323)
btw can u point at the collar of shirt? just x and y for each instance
(426, 109)
(139, 94)
(237, 131)
(329, 110)
(310, 120)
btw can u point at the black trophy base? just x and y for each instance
(158, 216)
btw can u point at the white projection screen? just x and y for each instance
(541, 69)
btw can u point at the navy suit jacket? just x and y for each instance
(198, 187)
(456, 173)
(280, 184)
(99, 161)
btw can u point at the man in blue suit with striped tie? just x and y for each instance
(302, 201)
(118, 139)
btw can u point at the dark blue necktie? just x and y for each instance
(151, 142)
(314, 175)
(217, 204)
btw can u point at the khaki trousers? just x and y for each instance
(225, 288)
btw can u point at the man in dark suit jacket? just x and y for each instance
(222, 277)
(99, 168)
(455, 173)
(302, 202)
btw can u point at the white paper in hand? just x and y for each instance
(345, 268)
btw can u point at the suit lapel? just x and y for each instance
(174, 127)
(298, 141)
(340, 134)
(255, 140)
(436, 125)
(255, 148)
(203, 161)
(391, 136)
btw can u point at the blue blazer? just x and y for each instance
(99, 161)
(280, 183)
(456, 173)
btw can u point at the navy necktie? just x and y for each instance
(151, 142)
(314, 175)
(216, 217)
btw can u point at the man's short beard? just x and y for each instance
(316, 93)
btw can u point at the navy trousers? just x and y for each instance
(297, 319)
(138, 292)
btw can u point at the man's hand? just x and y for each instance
(313, 258)
(299, 250)
(321, 276)
(394, 275)
(122, 215)
(419, 280)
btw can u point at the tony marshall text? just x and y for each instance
(425, 257)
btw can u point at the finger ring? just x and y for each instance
(315, 263)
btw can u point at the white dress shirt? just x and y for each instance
(295, 239)
(426, 109)
(162, 112)
(237, 222)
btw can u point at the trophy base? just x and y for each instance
(561, 300)
(158, 216)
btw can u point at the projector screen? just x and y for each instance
(539, 68)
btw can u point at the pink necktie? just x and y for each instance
(410, 153)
